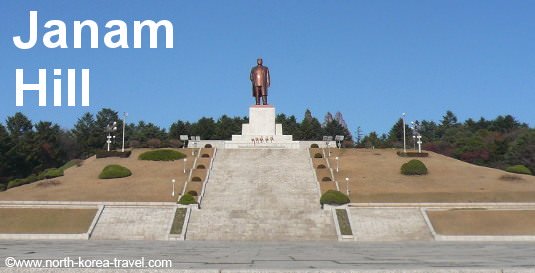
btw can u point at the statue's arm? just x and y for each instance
(267, 76)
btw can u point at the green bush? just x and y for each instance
(332, 197)
(314, 145)
(162, 155)
(3, 187)
(187, 199)
(201, 166)
(193, 193)
(103, 154)
(318, 155)
(114, 171)
(23, 181)
(326, 179)
(196, 179)
(414, 167)
(208, 146)
(205, 155)
(51, 173)
(321, 166)
(521, 169)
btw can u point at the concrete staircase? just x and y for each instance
(261, 194)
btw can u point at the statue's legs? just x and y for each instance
(264, 100)
(257, 90)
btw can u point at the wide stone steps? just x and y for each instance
(261, 194)
(261, 225)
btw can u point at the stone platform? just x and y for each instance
(262, 131)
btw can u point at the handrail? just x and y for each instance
(207, 176)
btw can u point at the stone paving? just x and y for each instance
(261, 194)
(134, 223)
(389, 224)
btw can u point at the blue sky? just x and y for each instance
(371, 60)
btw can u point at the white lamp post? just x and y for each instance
(336, 164)
(109, 129)
(173, 193)
(124, 126)
(185, 160)
(419, 144)
(404, 143)
(347, 186)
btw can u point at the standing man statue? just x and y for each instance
(260, 80)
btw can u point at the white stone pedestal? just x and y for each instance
(262, 131)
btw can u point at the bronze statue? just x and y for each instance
(260, 80)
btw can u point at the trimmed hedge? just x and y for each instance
(208, 146)
(205, 155)
(414, 167)
(104, 154)
(521, 169)
(193, 193)
(332, 197)
(201, 166)
(187, 199)
(162, 155)
(326, 179)
(3, 187)
(412, 154)
(314, 145)
(196, 179)
(321, 166)
(318, 155)
(114, 171)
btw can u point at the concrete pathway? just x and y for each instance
(314, 256)
(134, 223)
(261, 194)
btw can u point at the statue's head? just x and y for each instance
(259, 61)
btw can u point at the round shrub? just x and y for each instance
(3, 187)
(318, 155)
(114, 171)
(332, 197)
(326, 179)
(208, 146)
(201, 166)
(162, 155)
(187, 199)
(193, 193)
(321, 166)
(205, 155)
(521, 169)
(414, 167)
(314, 145)
(196, 179)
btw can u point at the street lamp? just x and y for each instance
(404, 143)
(173, 193)
(328, 140)
(185, 160)
(336, 164)
(419, 143)
(347, 186)
(110, 128)
(124, 126)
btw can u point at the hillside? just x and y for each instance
(375, 177)
(150, 182)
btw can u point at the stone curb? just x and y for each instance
(430, 270)
(85, 203)
(442, 205)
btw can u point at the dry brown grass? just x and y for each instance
(45, 221)
(483, 222)
(150, 182)
(375, 177)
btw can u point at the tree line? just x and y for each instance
(497, 143)
(29, 148)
